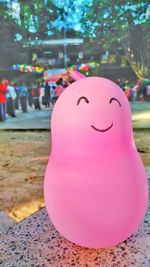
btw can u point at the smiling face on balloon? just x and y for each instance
(87, 101)
(92, 108)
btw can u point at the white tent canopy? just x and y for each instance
(67, 41)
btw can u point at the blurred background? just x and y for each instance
(113, 35)
(41, 43)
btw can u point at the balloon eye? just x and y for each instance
(84, 98)
(114, 99)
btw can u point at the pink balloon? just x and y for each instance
(76, 75)
(96, 189)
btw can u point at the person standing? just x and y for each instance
(42, 90)
(53, 94)
(30, 97)
(11, 96)
(46, 97)
(59, 88)
(148, 93)
(23, 94)
(36, 96)
(17, 96)
(127, 92)
(65, 83)
(144, 89)
(134, 93)
(3, 91)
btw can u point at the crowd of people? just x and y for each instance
(14, 97)
(136, 92)
(37, 95)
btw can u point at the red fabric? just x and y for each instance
(3, 91)
(33, 91)
(39, 91)
(127, 92)
(59, 90)
(139, 82)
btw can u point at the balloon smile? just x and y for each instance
(102, 130)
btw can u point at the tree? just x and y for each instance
(41, 19)
(9, 49)
(33, 17)
(44, 18)
(121, 27)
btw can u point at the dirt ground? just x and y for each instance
(23, 159)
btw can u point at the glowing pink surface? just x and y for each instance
(76, 75)
(96, 189)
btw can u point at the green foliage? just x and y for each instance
(35, 17)
(9, 49)
(122, 28)
(113, 15)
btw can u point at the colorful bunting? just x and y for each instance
(80, 67)
(27, 68)
(83, 67)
